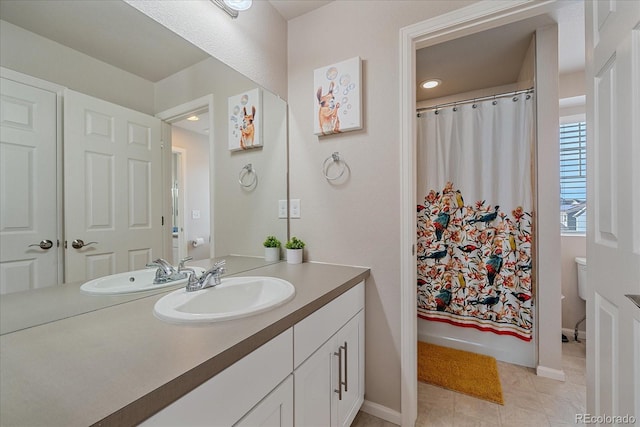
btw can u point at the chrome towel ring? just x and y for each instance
(333, 159)
(248, 176)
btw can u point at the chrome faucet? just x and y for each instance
(166, 272)
(209, 278)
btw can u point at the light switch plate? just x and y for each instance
(282, 208)
(195, 214)
(295, 208)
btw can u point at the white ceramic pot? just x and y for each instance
(271, 254)
(294, 256)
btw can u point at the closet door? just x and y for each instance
(28, 188)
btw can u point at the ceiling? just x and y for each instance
(481, 60)
(487, 59)
(145, 48)
(290, 9)
(494, 57)
(200, 126)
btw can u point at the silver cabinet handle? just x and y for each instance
(340, 378)
(346, 366)
(44, 244)
(339, 390)
(79, 244)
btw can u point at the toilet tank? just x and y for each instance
(582, 277)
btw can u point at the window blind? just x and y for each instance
(573, 177)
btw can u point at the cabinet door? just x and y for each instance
(350, 343)
(276, 410)
(314, 387)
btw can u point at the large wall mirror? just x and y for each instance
(216, 199)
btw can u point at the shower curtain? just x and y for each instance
(474, 211)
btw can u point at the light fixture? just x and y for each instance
(231, 7)
(238, 4)
(431, 83)
(193, 118)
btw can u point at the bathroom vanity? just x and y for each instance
(120, 365)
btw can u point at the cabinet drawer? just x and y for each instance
(225, 398)
(311, 332)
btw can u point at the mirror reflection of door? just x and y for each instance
(190, 148)
(29, 249)
(113, 188)
(179, 248)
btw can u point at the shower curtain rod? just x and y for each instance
(473, 100)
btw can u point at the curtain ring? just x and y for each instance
(246, 172)
(335, 158)
(455, 107)
(474, 104)
(494, 100)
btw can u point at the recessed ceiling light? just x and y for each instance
(430, 84)
(193, 118)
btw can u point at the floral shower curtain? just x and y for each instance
(475, 215)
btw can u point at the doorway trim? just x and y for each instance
(176, 113)
(477, 17)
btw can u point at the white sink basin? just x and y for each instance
(235, 297)
(129, 282)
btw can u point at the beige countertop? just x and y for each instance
(118, 365)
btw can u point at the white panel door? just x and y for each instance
(113, 188)
(28, 159)
(613, 184)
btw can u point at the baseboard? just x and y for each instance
(582, 335)
(382, 412)
(554, 374)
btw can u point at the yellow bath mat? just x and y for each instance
(462, 371)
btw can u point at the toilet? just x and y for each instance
(581, 263)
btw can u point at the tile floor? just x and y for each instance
(529, 400)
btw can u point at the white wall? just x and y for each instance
(242, 219)
(547, 244)
(359, 221)
(196, 187)
(572, 88)
(255, 43)
(573, 307)
(31, 54)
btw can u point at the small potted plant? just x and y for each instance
(271, 249)
(294, 250)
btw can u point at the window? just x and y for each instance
(573, 178)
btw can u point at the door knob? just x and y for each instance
(79, 244)
(44, 244)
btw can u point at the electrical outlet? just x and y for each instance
(295, 208)
(282, 208)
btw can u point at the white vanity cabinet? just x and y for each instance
(329, 360)
(310, 375)
(226, 398)
(275, 410)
